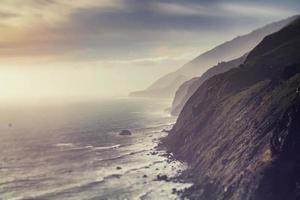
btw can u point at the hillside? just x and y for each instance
(165, 87)
(187, 89)
(240, 131)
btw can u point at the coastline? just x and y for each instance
(185, 176)
(88, 159)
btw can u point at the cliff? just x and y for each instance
(187, 89)
(240, 131)
(165, 87)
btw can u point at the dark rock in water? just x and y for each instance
(145, 176)
(118, 168)
(115, 176)
(162, 177)
(125, 132)
(165, 130)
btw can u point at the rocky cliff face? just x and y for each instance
(240, 131)
(165, 87)
(187, 89)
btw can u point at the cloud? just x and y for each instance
(83, 45)
(144, 62)
(182, 9)
(223, 9)
(48, 11)
(256, 11)
(82, 30)
(7, 15)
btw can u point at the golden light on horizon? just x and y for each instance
(108, 47)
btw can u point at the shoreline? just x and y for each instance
(185, 176)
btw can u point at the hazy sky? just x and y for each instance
(110, 47)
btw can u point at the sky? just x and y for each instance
(102, 48)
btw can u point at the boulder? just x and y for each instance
(125, 132)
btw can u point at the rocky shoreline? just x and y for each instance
(239, 132)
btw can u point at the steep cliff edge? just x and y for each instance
(187, 89)
(240, 131)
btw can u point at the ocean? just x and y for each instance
(73, 151)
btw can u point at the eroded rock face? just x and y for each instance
(240, 130)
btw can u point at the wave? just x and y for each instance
(106, 147)
(120, 156)
(64, 145)
(60, 191)
(71, 188)
(71, 146)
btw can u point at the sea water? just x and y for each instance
(64, 151)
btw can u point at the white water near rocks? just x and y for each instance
(74, 151)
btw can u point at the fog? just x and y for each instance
(61, 83)
(95, 49)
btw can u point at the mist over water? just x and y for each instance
(72, 151)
